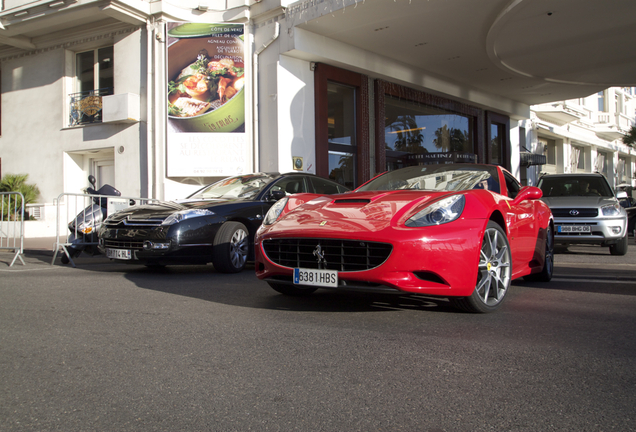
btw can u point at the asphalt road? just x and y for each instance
(109, 347)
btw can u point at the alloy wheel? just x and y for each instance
(494, 268)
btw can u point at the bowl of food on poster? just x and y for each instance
(206, 77)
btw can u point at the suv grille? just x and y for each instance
(340, 255)
(582, 212)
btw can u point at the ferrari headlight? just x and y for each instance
(274, 212)
(611, 210)
(440, 212)
(185, 214)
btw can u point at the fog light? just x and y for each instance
(616, 229)
(148, 245)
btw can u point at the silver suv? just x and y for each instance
(585, 211)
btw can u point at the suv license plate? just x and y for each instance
(574, 229)
(315, 277)
(123, 254)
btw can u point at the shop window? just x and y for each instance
(94, 78)
(601, 101)
(549, 150)
(498, 139)
(577, 159)
(412, 129)
(621, 170)
(601, 163)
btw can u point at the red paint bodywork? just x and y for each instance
(449, 251)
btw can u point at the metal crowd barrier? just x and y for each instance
(12, 224)
(72, 205)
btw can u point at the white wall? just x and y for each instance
(32, 102)
(266, 93)
(296, 114)
(36, 139)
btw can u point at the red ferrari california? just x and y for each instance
(462, 231)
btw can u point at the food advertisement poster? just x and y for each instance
(206, 100)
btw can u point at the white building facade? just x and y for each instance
(584, 135)
(339, 88)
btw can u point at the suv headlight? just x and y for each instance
(440, 212)
(185, 214)
(274, 212)
(611, 210)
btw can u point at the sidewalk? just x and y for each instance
(39, 250)
(40, 244)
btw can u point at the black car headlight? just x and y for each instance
(274, 212)
(186, 214)
(440, 212)
(86, 227)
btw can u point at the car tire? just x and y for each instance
(291, 290)
(545, 275)
(231, 246)
(493, 273)
(619, 248)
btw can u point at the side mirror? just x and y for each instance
(276, 195)
(621, 195)
(132, 202)
(527, 193)
(92, 180)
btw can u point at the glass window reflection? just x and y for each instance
(412, 128)
(342, 168)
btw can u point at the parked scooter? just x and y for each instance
(85, 225)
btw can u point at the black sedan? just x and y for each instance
(215, 224)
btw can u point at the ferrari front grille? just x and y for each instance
(330, 254)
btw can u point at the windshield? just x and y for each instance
(246, 186)
(574, 186)
(446, 177)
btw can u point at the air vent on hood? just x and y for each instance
(352, 201)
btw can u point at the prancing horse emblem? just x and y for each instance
(320, 255)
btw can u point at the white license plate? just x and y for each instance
(315, 277)
(123, 254)
(574, 229)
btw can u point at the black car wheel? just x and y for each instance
(231, 247)
(619, 248)
(493, 274)
(291, 290)
(545, 275)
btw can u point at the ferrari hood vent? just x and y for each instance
(352, 201)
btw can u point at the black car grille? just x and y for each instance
(575, 212)
(340, 255)
(134, 223)
(118, 244)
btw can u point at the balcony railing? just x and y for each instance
(86, 107)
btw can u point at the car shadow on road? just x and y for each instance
(591, 280)
(246, 290)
